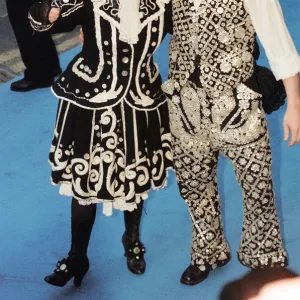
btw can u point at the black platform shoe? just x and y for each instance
(134, 251)
(193, 275)
(68, 268)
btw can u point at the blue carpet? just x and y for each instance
(35, 220)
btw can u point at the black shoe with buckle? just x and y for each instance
(134, 251)
(68, 268)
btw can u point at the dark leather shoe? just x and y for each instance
(192, 275)
(25, 85)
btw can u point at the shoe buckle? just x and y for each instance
(136, 250)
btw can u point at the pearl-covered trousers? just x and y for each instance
(233, 125)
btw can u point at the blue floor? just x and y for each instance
(35, 220)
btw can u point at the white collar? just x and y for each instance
(130, 21)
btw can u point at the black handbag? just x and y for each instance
(272, 91)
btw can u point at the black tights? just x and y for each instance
(82, 221)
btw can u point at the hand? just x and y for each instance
(291, 124)
(279, 290)
(54, 14)
(81, 36)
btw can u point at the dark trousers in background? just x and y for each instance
(37, 49)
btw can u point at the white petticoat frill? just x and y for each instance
(109, 206)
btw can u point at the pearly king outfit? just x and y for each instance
(112, 141)
(218, 95)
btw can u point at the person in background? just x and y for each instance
(286, 289)
(264, 284)
(37, 49)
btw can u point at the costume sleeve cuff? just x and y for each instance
(286, 67)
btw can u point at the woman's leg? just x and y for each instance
(82, 221)
(134, 249)
(76, 264)
(132, 220)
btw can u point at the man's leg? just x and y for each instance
(37, 50)
(195, 163)
(261, 244)
(134, 249)
(197, 178)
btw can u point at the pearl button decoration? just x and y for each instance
(63, 267)
(220, 10)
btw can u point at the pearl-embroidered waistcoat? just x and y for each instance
(215, 40)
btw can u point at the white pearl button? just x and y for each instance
(220, 10)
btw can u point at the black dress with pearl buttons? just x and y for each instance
(112, 140)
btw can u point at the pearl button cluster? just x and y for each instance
(85, 69)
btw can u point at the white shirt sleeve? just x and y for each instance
(269, 24)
